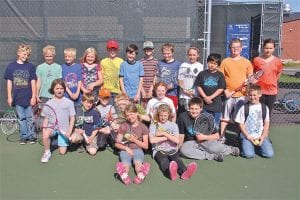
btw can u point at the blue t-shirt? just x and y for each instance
(131, 74)
(71, 76)
(21, 76)
(168, 73)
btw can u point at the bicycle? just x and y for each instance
(290, 102)
(9, 122)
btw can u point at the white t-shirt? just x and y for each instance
(154, 103)
(254, 123)
(188, 73)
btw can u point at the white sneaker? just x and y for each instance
(46, 157)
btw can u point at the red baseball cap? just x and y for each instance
(112, 44)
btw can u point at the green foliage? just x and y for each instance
(285, 78)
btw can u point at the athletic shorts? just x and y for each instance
(61, 140)
(231, 106)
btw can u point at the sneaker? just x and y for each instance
(120, 168)
(80, 149)
(32, 140)
(222, 139)
(142, 173)
(190, 170)
(173, 170)
(235, 151)
(46, 157)
(23, 141)
(219, 157)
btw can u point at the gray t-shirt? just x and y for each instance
(64, 109)
(168, 145)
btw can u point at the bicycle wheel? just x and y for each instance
(9, 123)
(292, 102)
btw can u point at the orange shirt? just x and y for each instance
(236, 72)
(272, 71)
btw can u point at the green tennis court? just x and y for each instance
(79, 176)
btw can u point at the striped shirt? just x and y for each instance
(150, 68)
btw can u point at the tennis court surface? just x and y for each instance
(80, 176)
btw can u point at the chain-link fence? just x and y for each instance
(287, 105)
(81, 24)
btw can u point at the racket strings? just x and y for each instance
(204, 124)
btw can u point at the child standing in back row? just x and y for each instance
(92, 77)
(71, 74)
(111, 68)
(150, 67)
(167, 72)
(131, 74)
(46, 73)
(187, 74)
(21, 80)
(211, 84)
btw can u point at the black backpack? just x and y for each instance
(263, 108)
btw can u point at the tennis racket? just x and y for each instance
(9, 122)
(204, 124)
(250, 80)
(166, 147)
(49, 113)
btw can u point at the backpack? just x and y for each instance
(263, 108)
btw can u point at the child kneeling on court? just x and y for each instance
(254, 121)
(164, 137)
(87, 122)
(132, 138)
(59, 118)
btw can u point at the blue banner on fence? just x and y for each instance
(241, 31)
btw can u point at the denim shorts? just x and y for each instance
(138, 155)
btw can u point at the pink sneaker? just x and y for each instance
(173, 170)
(190, 170)
(122, 173)
(145, 168)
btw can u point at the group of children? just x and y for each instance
(132, 104)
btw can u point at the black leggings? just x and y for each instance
(164, 160)
(269, 101)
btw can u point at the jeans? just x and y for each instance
(249, 149)
(138, 156)
(25, 119)
(217, 116)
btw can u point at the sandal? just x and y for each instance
(122, 173)
(145, 168)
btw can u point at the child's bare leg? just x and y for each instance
(62, 150)
(46, 138)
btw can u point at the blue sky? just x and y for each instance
(295, 5)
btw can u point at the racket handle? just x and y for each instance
(85, 137)
(63, 133)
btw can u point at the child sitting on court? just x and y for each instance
(87, 120)
(164, 137)
(254, 121)
(201, 144)
(132, 138)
